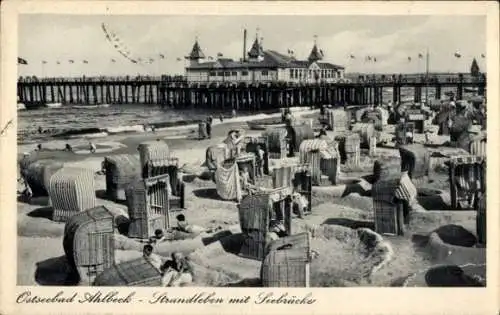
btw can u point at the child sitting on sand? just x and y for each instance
(158, 238)
(155, 260)
(177, 271)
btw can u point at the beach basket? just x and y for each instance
(297, 134)
(467, 176)
(401, 130)
(338, 120)
(121, 170)
(322, 159)
(349, 148)
(417, 117)
(255, 212)
(71, 191)
(245, 159)
(134, 273)
(148, 206)
(373, 117)
(250, 145)
(177, 195)
(288, 262)
(478, 147)
(202, 130)
(154, 157)
(366, 131)
(391, 196)
(298, 175)
(215, 155)
(481, 219)
(278, 144)
(37, 175)
(88, 242)
(415, 159)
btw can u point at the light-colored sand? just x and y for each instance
(335, 217)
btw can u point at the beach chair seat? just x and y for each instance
(134, 273)
(467, 177)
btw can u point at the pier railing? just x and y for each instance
(176, 91)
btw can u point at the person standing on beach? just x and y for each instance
(40, 129)
(221, 117)
(92, 147)
(209, 127)
(233, 113)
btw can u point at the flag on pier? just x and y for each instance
(458, 54)
(21, 61)
(85, 61)
(219, 54)
(483, 55)
(409, 58)
(112, 60)
(44, 62)
(151, 60)
(179, 59)
(321, 52)
(374, 59)
(368, 58)
(71, 61)
(420, 56)
(58, 62)
(162, 56)
(352, 57)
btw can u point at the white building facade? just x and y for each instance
(262, 66)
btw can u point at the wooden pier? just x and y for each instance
(176, 92)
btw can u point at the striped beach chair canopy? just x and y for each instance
(155, 152)
(72, 190)
(326, 149)
(478, 146)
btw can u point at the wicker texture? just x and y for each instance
(415, 159)
(299, 133)
(153, 153)
(287, 267)
(365, 131)
(338, 120)
(72, 190)
(255, 212)
(300, 174)
(148, 206)
(88, 241)
(38, 174)
(478, 147)
(248, 160)
(278, 144)
(135, 273)
(121, 170)
(386, 206)
(322, 159)
(467, 178)
(215, 155)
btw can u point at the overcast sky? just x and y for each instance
(391, 39)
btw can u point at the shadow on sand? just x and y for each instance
(54, 271)
(353, 224)
(44, 212)
(207, 193)
(101, 194)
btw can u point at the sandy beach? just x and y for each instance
(336, 215)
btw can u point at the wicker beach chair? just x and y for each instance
(278, 143)
(323, 160)
(366, 132)
(148, 206)
(37, 175)
(467, 176)
(245, 159)
(296, 134)
(215, 155)
(255, 212)
(297, 176)
(391, 195)
(134, 273)
(202, 130)
(478, 147)
(154, 157)
(71, 191)
(121, 170)
(417, 117)
(401, 130)
(349, 148)
(338, 120)
(88, 242)
(287, 264)
(250, 144)
(415, 159)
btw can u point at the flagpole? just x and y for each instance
(427, 76)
